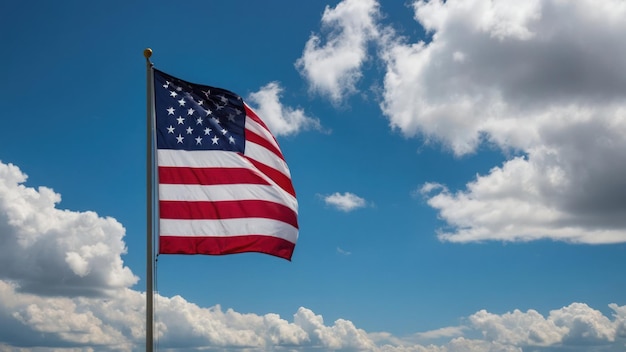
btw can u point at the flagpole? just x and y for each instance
(147, 53)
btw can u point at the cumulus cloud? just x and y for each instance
(540, 78)
(332, 66)
(518, 328)
(574, 325)
(63, 322)
(281, 120)
(117, 324)
(345, 202)
(533, 197)
(50, 251)
(31, 321)
(498, 68)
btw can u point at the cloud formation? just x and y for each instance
(30, 320)
(537, 78)
(49, 251)
(281, 120)
(345, 201)
(503, 70)
(574, 325)
(332, 66)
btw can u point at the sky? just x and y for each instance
(460, 170)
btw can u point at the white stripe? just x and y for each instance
(228, 228)
(215, 193)
(262, 155)
(200, 158)
(220, 158)
(261, 131)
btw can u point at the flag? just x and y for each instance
(223, 184)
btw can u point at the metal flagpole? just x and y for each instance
(149, 170)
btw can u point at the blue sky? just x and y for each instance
(459, 166)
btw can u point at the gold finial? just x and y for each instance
(147, 53)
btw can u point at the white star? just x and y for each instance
(170, 111)
(215, 139)
(199, 121)
(208, 112)
(179, 89)
(223, 99)
(198, 140)
(180, 138)
(231, 140)
(224, 131)
(216, 120)
(167, 84)
(207, 131)
(206, 93)
(219, 107)
(190, 111)
(173, 94)
(181, 102)
(170, 129)
(189, 130)
(200, 102)
(237, 111)
(231, 117)
(180, 120)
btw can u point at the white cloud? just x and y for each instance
(62, 321)
(77, 253)
(281, 120)
(345, 202)
(584, 325)
(620, 319)
(342, 335)
(533, 197)
(541, 78)
(343, 251)
(574, 325)
(521, 65)
(332, 67)
(449, 331)
(518, 328)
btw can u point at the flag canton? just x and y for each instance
(197, 117)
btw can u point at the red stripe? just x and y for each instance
(278, 177)
(226, 245)
(209, 176)
(260, 140)
(227, 210)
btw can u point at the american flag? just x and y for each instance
(223, 184)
